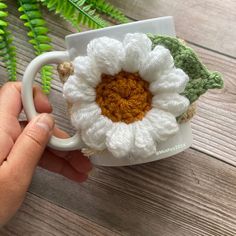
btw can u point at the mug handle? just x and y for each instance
(56, 57)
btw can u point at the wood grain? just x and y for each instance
(188, 194)
(40, 217)
(210, 23)
(214, 125)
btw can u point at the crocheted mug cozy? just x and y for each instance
(128, 96)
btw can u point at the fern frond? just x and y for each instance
(7, 50)
(32, 17)
(58, 6)
(87, 16)
(108, 9)
(76, 12)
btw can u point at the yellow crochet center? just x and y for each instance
(123, 97)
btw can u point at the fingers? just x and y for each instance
(60, 134)
(75, 158)
(6, 143)
(41, 101)
(30, 145)
(10, 99)
(10, 108)
(56, 161)
(58, 165)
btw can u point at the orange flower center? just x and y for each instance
(123, 97)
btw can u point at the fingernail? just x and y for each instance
(46, 122)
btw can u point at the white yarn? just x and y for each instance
(163, 124)
(158, 61)
(76, 89)
(119, 139)
(137, 46)
(174, 81)
(144, 145)
(95, 135)
(171, 102)
(134, 54)
(84, 115)
(107, 53)
(86, 69)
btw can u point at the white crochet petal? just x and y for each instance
(86, 69)
(173, 103)
(175, 81)
(107, 53)
(84, 115)
(95, 135)
(119, 139)
(158, 61)
(144, 145)
(163, 124)
(137, 46)
(75, 89)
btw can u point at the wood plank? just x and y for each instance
(208, 23)
(40, 217)
(188, 194)
(214, 125)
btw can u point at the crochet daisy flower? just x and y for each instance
(125, 96)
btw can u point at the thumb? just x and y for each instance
(30, 145)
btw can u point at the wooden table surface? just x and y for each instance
(192, 193)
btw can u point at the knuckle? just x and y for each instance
(11, 86)
(8, 85)
(35, 137)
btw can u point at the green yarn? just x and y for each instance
(200, 78)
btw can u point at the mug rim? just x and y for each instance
(94, 31)
(76, 43)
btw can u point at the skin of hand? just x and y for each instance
(22, 148)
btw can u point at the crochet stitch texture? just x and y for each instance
(127, 96)
(200, 78)
(124, 97)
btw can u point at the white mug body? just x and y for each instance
(76, 45)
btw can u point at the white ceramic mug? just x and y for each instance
(76, 45)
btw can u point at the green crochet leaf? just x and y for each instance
(201, 79)
(76, 12)
(38, 33)
(106, 8)
(7, 50)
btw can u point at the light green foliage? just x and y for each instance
(201, 79)
(76, 12)
(106, 8)
(7, 50)
(38, 33)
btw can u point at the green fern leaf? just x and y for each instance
(7, 50)
(76, 12)
(61, 7)
(108, 9)
(38, 33)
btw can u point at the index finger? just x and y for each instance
(10, 99)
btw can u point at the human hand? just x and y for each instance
(21, 149)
